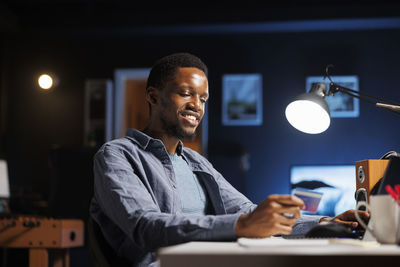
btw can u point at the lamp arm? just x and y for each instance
(366, 99)
(334, 88)
(390, 107)
(387, 104)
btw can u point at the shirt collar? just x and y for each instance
(139, 137)
(144, 141)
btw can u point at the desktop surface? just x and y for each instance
(278, 252)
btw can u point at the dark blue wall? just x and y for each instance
(285, 60)
(37, 122)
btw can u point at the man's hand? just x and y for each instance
(268, 218)
(348, 218)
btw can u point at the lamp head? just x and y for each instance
(309, 112)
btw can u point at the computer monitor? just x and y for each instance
(336, 182)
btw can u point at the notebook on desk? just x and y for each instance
(277, 242)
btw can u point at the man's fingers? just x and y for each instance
(287, 200)
(287, 210)
(287, 221)
(349, 215)
(283, 229)
(350, 224)
(363, 214)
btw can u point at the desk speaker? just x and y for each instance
(368, 173)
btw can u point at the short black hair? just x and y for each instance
(165, 68)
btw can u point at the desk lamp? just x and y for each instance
(309, 112)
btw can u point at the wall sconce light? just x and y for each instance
(310, 113)
(47, 81)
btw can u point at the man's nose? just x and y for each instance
(196, 104)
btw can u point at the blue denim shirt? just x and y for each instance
(137, 205)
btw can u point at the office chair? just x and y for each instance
(100, 251)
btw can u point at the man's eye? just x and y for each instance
(184, 94)
(203, 100)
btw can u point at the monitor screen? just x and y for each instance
(337, 183)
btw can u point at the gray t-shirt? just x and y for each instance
(192, 193)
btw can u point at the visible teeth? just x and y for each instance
(190, 117)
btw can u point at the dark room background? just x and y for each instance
(35, 124)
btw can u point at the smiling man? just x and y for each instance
(151, 192)
(177, 109)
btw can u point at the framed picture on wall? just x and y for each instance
(242, 99)
(340, 105)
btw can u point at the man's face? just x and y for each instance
(182, 102)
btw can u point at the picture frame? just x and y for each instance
(340, 105)
(242, 100)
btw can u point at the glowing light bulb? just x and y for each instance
(45, 81)
(307, 116)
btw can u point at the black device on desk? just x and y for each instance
(331, 230)
(328, 230)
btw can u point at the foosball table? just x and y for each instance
(39, 234)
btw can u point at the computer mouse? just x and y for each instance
(330, 229)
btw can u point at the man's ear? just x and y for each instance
(152, 95)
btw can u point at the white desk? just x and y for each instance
(210, 254)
